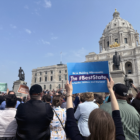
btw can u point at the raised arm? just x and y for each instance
(115, 111)
(114, 102)
(71, 125)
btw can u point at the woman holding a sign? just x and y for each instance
(100, 123)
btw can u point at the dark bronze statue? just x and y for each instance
(21, 74)
(116, 61)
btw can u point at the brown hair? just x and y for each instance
(82, 97)
(56, 100)
(88, 96)
(101, 125)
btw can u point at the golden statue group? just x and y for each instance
(114, 45)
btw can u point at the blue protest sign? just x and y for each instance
(89, 76)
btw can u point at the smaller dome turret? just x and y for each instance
(116, 14)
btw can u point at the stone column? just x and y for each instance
(131, 39)
(103, 44)
(123, 66)
(111, 39)
(120, 38)
(133, 66)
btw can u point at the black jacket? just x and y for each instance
(136, 104)
(33, 120)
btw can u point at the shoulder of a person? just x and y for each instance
(4, 102)
(18, 102)
(105, 105)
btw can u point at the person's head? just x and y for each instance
(57, 100)
(11, 92)
(36, 92)
(129, 98)
(51, 93)
(120, 91)
(28, 98)
(115, 53)
(56, 93)
(82, 99)
(24, 99)
(101, 125)
(95, 96)
(99, 99)
(88, 96)
(46, 98)
(106, 94)
(138, 96)
(11, 101)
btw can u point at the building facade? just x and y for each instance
(128, 47)
(119, 31)
(50, 77)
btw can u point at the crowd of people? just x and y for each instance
(59, 115)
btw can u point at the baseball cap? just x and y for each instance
(120, 89)
(35, 89)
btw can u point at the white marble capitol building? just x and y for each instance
(122, 32)
(128, 47)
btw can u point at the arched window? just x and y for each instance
(40, 79)
(128, 68)
(35, 80)
(44, 86)
(50, 86)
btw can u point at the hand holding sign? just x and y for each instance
(110, 84)
(69, 87)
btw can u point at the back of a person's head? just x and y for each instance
(88, 96)
(99, 99)
(47, 98)
(11, 92)
(11, 101)
(82, 99)
(35, 92)
(121, 91)
(56, 101)
(101, 125)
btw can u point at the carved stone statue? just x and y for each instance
(116, 61)
(21, 74)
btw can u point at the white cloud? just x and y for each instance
(77, 55)
(54, 38)
(26, 7)
(49, 55)
(47, 3)
(13, 26)
(28, 31)
(45, 42)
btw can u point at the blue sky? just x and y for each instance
(34, 32)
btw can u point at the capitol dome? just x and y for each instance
(118, 33)
(116, 22)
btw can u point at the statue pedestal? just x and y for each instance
(16, 86)
(118, 76)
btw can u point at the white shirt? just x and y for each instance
(8, 124)
(82, 114)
